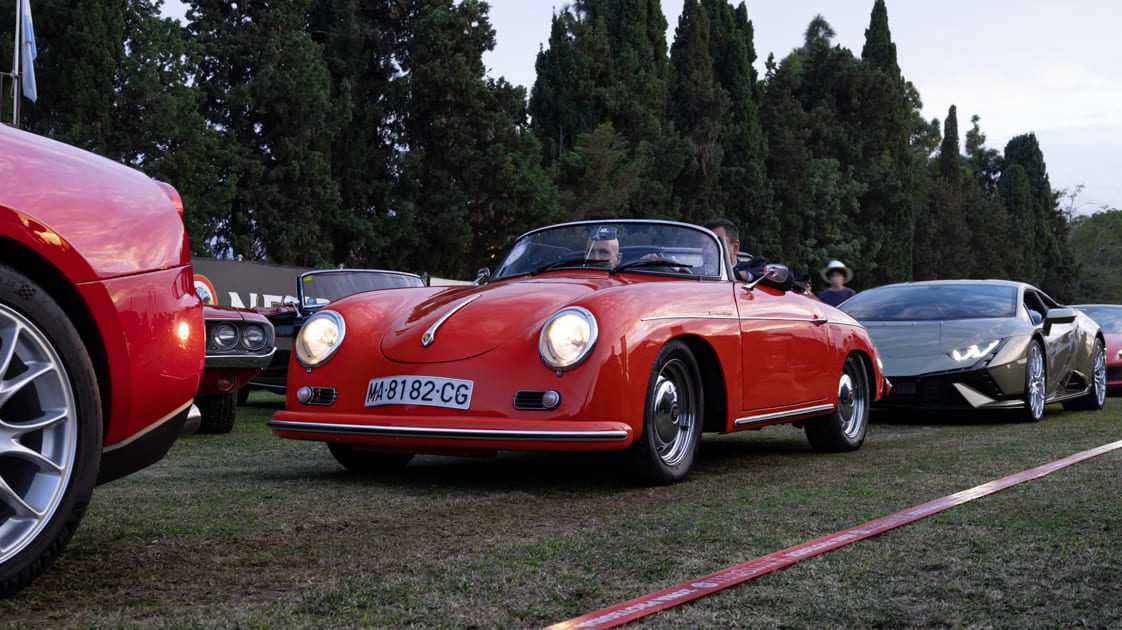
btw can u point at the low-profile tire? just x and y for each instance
(243, 396)
(50, 430)
(1095, 398)
(672, 418)
(1036, 383)
(844, 428)
(218, 412)
(368, 462)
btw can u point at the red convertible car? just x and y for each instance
(101, 338)
(600, 335)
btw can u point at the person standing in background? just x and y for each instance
(837, 274)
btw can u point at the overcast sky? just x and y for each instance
(1053, 68)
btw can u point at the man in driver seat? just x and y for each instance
(603, 247)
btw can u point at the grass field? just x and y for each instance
(249, 530)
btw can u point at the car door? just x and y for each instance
(1060, 342)
(788, 357)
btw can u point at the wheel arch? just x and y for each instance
(30, 263)
(713, 384)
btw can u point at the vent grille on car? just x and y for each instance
(536, 400)
(324, 396)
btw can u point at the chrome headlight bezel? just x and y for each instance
(214, 335)
(975, 352)
(300, 345)
(547, 350)
(254, 347)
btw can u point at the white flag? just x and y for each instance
(28, 54)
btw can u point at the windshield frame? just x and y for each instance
(726, 266)
(311, 308)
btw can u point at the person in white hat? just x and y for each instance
(837, 274)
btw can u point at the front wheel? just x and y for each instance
(218, 412)
(844, 429)
(50, 430)
(1036, 379)
(665, 451)
(368, 462)
(1095, 397)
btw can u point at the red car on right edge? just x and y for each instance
(1109, 318)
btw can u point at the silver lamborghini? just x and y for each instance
(982, 344)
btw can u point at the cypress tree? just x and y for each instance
(1022, 255)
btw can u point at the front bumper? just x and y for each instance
(956, 390)
(433, 434)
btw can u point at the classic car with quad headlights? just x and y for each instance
(239, 344)
(1109, 318)
(315, 290)
(101, 338)
(599, 335)
(983, 344)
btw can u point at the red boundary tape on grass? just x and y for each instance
(688, 591)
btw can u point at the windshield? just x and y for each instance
(321, 287)
(1109, 318)
(933, 302)
(640, 246)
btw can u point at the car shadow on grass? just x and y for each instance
(953, 418)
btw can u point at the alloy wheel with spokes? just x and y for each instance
(1095, 398)
(50, 430)
(1035, 382)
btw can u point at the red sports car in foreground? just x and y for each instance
(101, 338)
(1109, 318)
(600, 335)
(239, 344)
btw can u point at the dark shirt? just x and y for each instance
(833, 298)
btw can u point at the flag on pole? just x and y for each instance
(29, 53)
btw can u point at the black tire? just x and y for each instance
(44, 334)
(243, 396)
(368, 462)
(218, 412)
(1036, 383)
(844, 428)
(672, 418)
(1095, 398)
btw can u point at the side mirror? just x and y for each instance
(1060, 315)
(483, 275)
(775, 276)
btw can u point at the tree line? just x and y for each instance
(336, 132)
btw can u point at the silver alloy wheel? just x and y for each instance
(851, 403)
(1098, 372)
(38, 431)
(674, 413)
(1034, 368)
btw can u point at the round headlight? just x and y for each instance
(567, 337)
(254, 337)
(319, 338)
(224, 336)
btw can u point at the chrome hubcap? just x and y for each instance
(673, 413)
(851, 403)
(1099, 371)
(1035, 369)
(38, 432)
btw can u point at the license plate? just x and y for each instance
(431, 391)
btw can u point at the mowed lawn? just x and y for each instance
(248, 530)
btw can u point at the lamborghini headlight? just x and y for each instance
(567, 337)
(974, 352)
(319, 338)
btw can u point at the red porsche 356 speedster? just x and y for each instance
(598, 335)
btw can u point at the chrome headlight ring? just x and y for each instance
(567, 338)
(319, 338)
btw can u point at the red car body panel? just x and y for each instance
(1113, 361)
(115, 236)
(772, 353)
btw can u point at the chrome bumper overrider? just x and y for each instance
(447, 433)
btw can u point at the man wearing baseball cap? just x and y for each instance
(837, 274)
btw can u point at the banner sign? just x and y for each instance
(244, 284)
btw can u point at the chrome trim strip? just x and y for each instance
(768, 417)
(656, 317)
(148, 429)
(430, 335)
(457, 434)
(260, 361)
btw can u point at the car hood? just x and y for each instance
(913, 339)
(473, 320)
